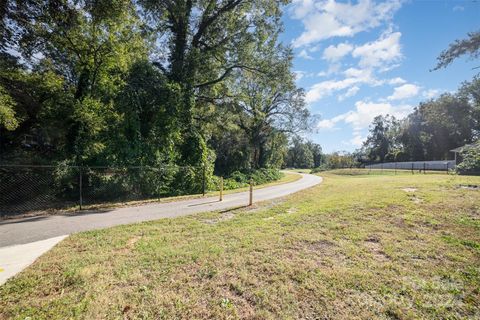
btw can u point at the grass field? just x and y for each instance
(357, 246)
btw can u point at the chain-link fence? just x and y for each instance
(443, 165)
(25, 189)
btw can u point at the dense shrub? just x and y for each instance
(471, 162)
(241, 179)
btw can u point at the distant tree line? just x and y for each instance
(435, 126)
(204, 84)
(429, 133)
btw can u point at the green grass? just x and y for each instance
(354, 247)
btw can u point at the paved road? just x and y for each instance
(21, 231)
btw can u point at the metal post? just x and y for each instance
(424, 166)
(412, 167)
(447, 167)
(203, 181)
(250, 201)
(80, 187)
(221, 188)
(395, 168)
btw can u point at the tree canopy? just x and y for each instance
(205, 84)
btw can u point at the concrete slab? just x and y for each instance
(14, 259)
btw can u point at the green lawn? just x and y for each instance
(357, 246)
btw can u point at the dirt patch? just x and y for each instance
(416, 199)
(409, 189)
(223, 217)
(375, 247)
(292, 210)
(469, 186)
(323, 253)
(130, 244)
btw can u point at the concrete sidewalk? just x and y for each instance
(14, 259)
(21, 240)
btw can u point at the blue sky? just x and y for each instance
(359, 59)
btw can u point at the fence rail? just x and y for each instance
(444, 165)
(25, 188)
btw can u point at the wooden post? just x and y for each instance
(250, 201)
(221, 188)
(80, 187)
(203, 180)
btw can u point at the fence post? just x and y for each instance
(424, 166)
(203, 180)
(447, 167)
(412, 167)
(395, 168)
(221, 188)
(250, 201)
(80, 187)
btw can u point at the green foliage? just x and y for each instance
(337, 160)
(469, 46)
(239, 179)
(7, 112)
(470, 161)
(202, 85)
(303, 154)
(429, 133)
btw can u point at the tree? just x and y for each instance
(7, 112)
(381, 140)
(469, 46)
(471, 161)
(316, 149)
(201, 44)
(299, 155)
(268, 103)
(84, 48)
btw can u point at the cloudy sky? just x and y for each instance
(359, 59)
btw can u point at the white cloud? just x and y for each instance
(396, 81)
(350, 93)
(404, 92)
(323, 19)
(304, 54)
(329, 124)
(431, 93)
(335, 53)
(332, 69)
(364, 113)
(299, 74)
(382, 53)
(357, 140)
(458, 8)
(353, 78)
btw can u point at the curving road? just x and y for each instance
(27, 230)
(22, 241)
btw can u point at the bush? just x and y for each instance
(240, 179)
(471, 162)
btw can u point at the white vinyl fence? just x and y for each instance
(444, 165)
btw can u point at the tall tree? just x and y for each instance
(200, 44)
(269, 102)
(85, 47)
(380, 141)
